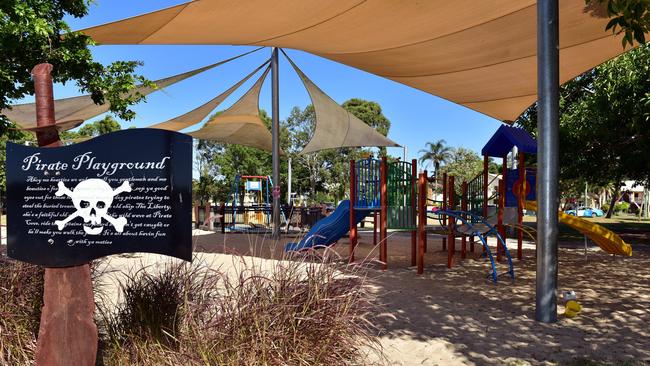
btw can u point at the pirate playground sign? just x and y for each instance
(128, 191)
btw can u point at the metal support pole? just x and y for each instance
(289, 182)
(275, 132)
(548, 59)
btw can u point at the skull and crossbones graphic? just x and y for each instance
(92, 198)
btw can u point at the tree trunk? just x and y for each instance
(612, 203)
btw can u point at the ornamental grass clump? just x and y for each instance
(254, 313)
(21, 299)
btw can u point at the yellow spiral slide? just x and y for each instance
(606, 239)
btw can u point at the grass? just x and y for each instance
(294, 313)
(21, 291)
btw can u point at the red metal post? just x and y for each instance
(471, 243)
(67, 334)
(486, 160)
(414, 202)
(375, 227)
(463, 249)
(521, 203)
(383, 215)
(422, 219)
(353, 223)
(451, 239)
(444, 206)
(425, 202)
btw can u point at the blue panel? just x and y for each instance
(505, 138)
(511, 179)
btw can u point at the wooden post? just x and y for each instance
(422, 219)
(521, 203)
(500, 227)
(353, 223)
(67, 334)
(383, 214)
(444, 206)
(451, 245)
(414, 202)
(463, 248)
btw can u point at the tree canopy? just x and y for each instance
(435, 153)
(34, 31)
(604, 122)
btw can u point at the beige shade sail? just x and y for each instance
(335, 126)
(480, 54)
(83, 107)
(197, 114)
(241, 123)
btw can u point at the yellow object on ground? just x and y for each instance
(606, 239)
(572, 308)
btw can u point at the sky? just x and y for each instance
(416, 117)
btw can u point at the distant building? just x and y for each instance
(633, 193)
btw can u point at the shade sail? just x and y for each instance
(480, 54)
(82, 107)
(335, 126)
(241, 123)
(197, 114)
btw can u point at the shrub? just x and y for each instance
(605, 207)
(294, 313)
(621, 207)
(21, 291)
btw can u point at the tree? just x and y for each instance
(33, 31)
(464, 164)
(369, 112)
(631, 17)
(436, 153)
(103, 126)
(604, 122)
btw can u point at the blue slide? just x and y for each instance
(329, 229)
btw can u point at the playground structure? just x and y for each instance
(398, 199)
(388, 190)
(249, 205)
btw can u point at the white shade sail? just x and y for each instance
(197, 114)
(335, 126)
(70, 112)
(241, 123)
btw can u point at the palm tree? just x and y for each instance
(436, 153)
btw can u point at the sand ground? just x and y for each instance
(457, 317)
